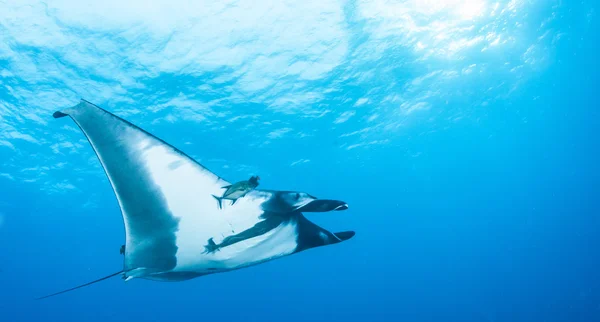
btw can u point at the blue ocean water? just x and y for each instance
(462, 134)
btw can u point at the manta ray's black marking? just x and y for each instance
(174, 230)
(271, 221)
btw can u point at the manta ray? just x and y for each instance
(174, 229)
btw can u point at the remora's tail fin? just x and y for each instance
(80, 286)
(219, 200)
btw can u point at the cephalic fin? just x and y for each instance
(344, 235)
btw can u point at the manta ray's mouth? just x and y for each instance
(324, 205)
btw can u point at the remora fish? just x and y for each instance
(237, 190)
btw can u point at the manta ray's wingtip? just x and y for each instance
(59, 114)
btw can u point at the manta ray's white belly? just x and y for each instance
(200, 219)
(278, 242)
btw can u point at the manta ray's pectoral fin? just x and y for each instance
(155, 183)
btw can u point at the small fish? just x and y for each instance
(238, 190)
(211, 247)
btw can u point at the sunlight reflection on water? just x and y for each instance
(362, 75)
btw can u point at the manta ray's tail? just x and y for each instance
(80, 286)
